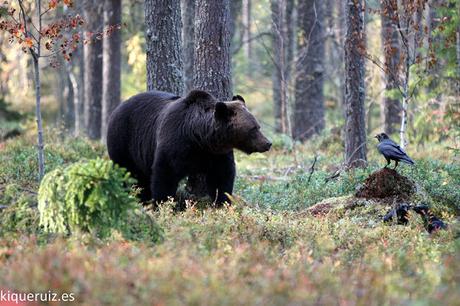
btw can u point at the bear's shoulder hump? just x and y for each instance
(198, 97)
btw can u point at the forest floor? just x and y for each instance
(268, 248)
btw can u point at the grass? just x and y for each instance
(264, 249)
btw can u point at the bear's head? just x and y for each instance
(240, 126)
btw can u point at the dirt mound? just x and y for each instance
(386, 183)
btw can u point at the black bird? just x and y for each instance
(392, 151)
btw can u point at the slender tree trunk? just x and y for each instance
(289, 29)
(93, 70)
(60, 92)
(80, 101)
(355, 127)
(458, 53)
(282, 12)
(38, 116)
(79, 60)
(279, 57)
(72, 99)
(392, 51)
(309, 97)
(111, 67)
(212, 60)
(188, 37)
(246, 23)
(38, 113)
(235, 13)
(164, 46)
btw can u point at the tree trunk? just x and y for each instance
(458, 53)
(246, 24)
(235, 13)
(355, 127)
(38, 117)
(391, 51)
(79, 62)
(279, 62)
(289, 29)
(212, 48)
(93, 70)
(164, 46)
(212, 60)
(188, 37)
(309, 97)
(111, 49)
(60, 92)
(72, 99)
(38, 111)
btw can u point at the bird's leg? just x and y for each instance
(388, 162)
(396, 164)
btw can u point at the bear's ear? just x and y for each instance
(196, 96)
(222, 112)
(238, 98)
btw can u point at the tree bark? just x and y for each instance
(235, 13)
(246, 27)
(188, 38)
(309, 97)
(38, 117)
(93, 10)
(164, 46)
(279, 60)
(72, 99)
(392, 52)
(111, 49)
(355, 127)
(212, 48)
(212, 60)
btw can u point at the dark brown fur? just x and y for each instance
(161, 138)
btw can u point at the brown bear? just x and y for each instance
(162, 138)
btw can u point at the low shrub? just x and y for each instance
(92, 196)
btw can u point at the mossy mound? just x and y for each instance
(386, 183)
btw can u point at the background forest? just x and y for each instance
(322, 77)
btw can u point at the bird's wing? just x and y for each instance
(392, 150)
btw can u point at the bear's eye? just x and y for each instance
(253, 130)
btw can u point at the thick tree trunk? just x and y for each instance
(188, 38)
(391, 51)
(164, 46)
(355, 127)
(111, 70)
(309, 98)
(212, 60)
(212, 48)
(93, 69)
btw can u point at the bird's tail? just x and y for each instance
(407, 160)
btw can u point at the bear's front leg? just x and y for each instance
(220, 178)
(164, 181)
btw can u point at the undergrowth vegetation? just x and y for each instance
(264, 249)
